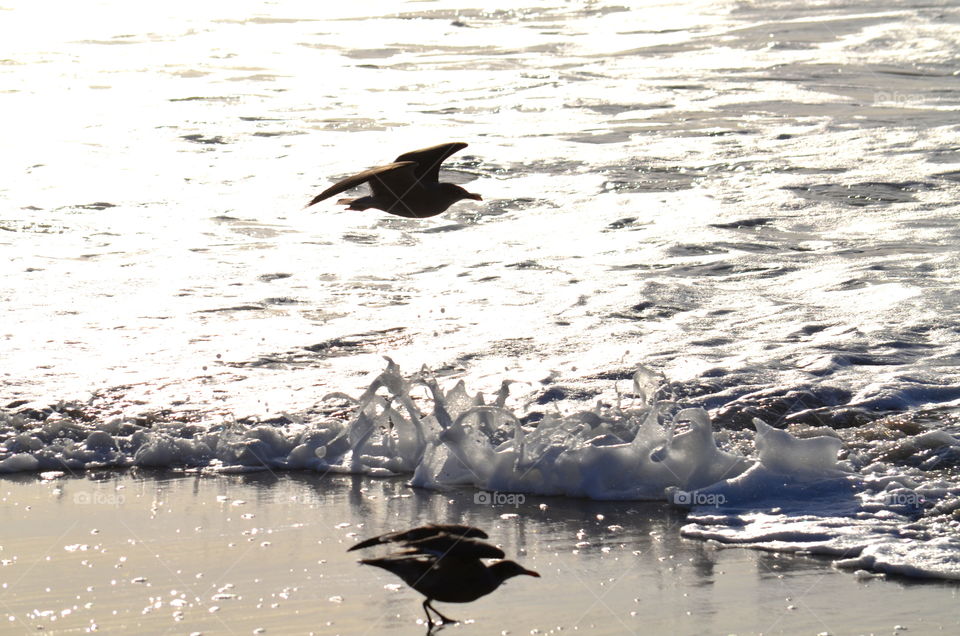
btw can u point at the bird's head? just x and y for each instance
(455, 193)
(504, 570)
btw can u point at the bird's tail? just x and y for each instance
(353, 204)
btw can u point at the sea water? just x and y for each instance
(715, 262)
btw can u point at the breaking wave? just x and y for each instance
(767, 489)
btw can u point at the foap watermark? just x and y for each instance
(896, 98)
(486, 498)
(909, 499)
(697, 498)
(98, 498)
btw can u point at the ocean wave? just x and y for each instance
(772, 489)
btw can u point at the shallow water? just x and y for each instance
(177, 554)
(756, 201)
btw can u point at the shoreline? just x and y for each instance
(161, 552)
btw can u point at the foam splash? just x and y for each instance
(797, 498)
(793, 495)
(608, 452)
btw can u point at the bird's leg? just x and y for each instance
(426, 609)
(443, 619)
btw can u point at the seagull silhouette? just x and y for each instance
(410, 186)
(443, 562)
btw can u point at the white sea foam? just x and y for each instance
(790, 495)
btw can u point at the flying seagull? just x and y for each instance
(443, 562)
(407, 187)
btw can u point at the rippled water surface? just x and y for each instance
(755, 200)
(750, 197)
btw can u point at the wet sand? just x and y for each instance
(162, 553)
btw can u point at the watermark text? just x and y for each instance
(485, 498)
(697, 498)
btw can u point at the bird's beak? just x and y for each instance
(531, 573)
(475, 197)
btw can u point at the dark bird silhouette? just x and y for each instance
(443, 562)
(410, 186)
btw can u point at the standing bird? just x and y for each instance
(407, 187)
(443, 562)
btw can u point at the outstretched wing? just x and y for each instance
(429, 159)
(424, 532)
(455, 547)
(393, 179)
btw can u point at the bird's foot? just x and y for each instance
(444, 620)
